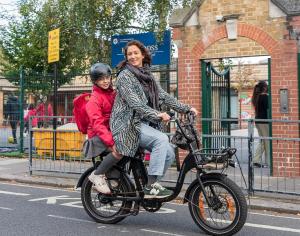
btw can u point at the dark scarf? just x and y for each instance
(144, 76)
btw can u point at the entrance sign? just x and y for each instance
(160, 51)
(53, 45)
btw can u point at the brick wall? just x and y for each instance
(258, 34)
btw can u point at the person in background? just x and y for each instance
(260, 103)
(136, 116)
(40, 111)
(31, 112)
(13, 112)
(100, 139)
(50, 114)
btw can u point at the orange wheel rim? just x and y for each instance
(231, 208)
(201, 205)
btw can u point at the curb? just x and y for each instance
(36, 182)
(274, 209)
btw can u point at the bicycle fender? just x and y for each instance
(126, 177)
(195, 182)
(83, 176)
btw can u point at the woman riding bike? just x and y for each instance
(216, 204)
(136, 116)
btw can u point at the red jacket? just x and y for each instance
(50, 110)
(99, 109)
(34, 120)
(40, 111)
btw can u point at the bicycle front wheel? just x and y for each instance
(228, 211)
(105, 209)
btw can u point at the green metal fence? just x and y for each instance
(36, 90)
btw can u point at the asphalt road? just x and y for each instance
(32, 210)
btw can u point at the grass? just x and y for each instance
(12, 154)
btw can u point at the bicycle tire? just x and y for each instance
(97, 212)
(233, 203)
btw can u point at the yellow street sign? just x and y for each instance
(53, 46)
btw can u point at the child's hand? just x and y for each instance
(115, 152)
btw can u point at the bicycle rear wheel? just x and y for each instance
(228, 213)
(102, 208)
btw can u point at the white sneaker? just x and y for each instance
(100, 183)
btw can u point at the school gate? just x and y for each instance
(215, 104)
(242, 28)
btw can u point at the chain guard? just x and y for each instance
(151, 205)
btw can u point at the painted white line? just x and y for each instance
(101, 227)
(159, 232)
(262, 226)
(285, 217)
(5, 208)
(13, 193)
(273, 227)
(176, 203)
(53, 199)
(73, 219)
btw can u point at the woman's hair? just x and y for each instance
(30, 106)
(144, 50)
(259, 88)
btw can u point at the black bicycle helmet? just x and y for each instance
(98, 70)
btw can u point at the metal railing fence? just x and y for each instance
(281, 176)
(36, 89)
(278, 174)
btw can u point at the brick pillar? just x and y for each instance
(283, 75)
(286, 154)
(1, 107)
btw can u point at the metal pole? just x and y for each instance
(30, 144)
(54, 110)
(250, 152)
(21, 111)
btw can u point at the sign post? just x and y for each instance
(53, 57)
(53, 46)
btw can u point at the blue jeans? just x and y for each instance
(162, 152)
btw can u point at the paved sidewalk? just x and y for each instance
(16, 170)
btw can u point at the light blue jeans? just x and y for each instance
(162, 152)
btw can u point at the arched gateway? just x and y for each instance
(242, 28)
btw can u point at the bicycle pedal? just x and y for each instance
(136, 209)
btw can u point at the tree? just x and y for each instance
(86, 28)
(242, 80)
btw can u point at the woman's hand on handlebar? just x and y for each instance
(164, 116)
(194, 110)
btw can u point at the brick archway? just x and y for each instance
(244, 30)
(283, 73)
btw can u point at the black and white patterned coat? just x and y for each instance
(130, 107)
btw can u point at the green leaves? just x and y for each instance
(86, 28)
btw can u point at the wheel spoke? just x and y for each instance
(222, 216)
(106, 209)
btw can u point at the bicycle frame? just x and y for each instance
(139, 171)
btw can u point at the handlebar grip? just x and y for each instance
(171, 113)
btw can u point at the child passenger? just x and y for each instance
(100, 137)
